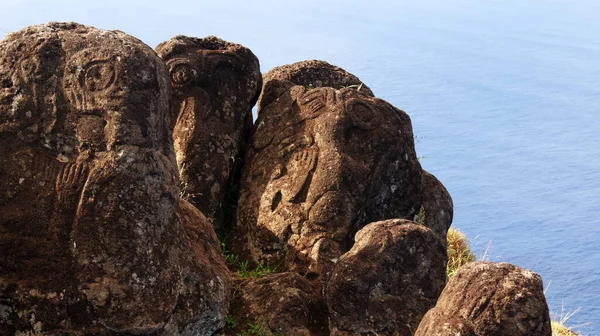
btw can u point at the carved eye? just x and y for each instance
(362, 115)
(182, 74)
(99, 75)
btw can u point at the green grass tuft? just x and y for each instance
(257, 328)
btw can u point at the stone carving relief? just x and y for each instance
(90, 234)
(314, 175)
(215, 85)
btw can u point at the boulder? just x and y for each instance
(278, 304)
(491, 299)
(215, 85)
(91, 238)
(390, 278)
(311, 74)
(438, 208)
(322, 163)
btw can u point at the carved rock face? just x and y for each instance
(485, 298)
(322, 164)
(215, 84)
(390, 278)
(90, 237)
(311, 74)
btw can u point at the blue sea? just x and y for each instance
(504, 97)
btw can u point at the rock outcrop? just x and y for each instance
(215, 85)
(95, 129)
(437, 207)
(491, 299)
(279, 304)
(311, 74)
(390, 278)
(91, 238)
(322, 163)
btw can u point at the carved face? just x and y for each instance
(28, 80)
(207, 83)
(114, 97)
(329, 148)
(215, 84)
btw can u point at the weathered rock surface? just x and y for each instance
(91, 238)
(281, 304)
(311, 74)
(322, 163)
(437, 206)
(390, 278)
(215, 85)
(491, 299)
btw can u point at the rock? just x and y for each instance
(91, 242)
(215, 85)
(390, 278)
(281, 304)
(322, 163)
(491, 299)
(311, 74)
(437, 206)
(206, 283)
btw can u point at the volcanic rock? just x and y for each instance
(215, 85)
(279, 304)
(491, 299)
(91, 241)
(390, 278)
(311, 74)
(438, 208)
(322, 163)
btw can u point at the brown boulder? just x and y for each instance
(311, 74)
(491, 299)
(90, 238)
(390, 278)
(438, 208)
(215, 85)
(278, 304)
(322, 163)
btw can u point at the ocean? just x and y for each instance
(504, 97)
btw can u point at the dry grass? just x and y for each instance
(559, 324)
(558, 329)
(459, 252)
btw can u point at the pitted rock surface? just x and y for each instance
(437, 205)
(284, 303)
(322, 164)
(390, 278)
(91, 242)
(215, 85)
(491, 299)
(311, 74)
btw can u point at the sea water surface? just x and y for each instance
(504, 97)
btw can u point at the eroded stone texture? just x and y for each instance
(311, 74)
(492, 299)
(283, 304)
(215, 85)
(322, 163)
(437, 206)
(91, 242)
(390, 278)
(205, 288)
